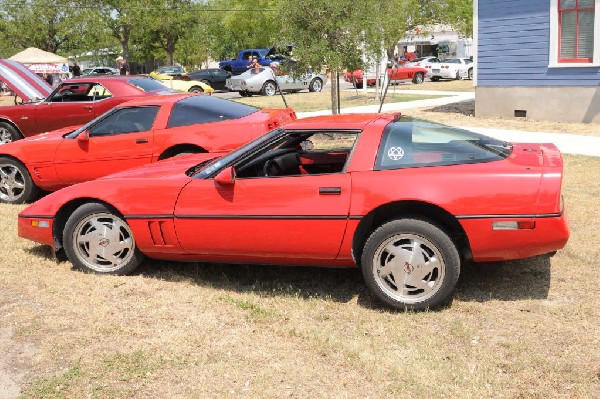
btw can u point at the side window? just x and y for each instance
(98, 92)
(301, 154)
(126, 120)
(246, 54)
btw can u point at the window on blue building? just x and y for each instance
(576, 31)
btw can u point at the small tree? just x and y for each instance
(326, 33)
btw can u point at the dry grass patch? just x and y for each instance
(308, 102)
(515, 329)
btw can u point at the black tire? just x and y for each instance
(206, 82)
(95, 251)
(269, 88)
(429, 275)
(8, 133)
(435, 79)
(245, 94)
(457, 77)
(470, 74)
(315, 86)
(16, 185)
(418, 78)
(196, 89)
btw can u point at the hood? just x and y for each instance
(176, 166)
(43, 145)
(22, 81)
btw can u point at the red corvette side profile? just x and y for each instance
(396, 75)
(72, 102)
(134, 133)
(405, 200)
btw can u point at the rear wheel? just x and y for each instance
(206, 82)
(97, 240)
(196, 89)
(418, 78)
(16, 185)
(316, 85)
(8, 133)
(435, 79)
(411, 264)
(269, 88)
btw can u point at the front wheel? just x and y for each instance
(269, 88)
(16, 185)
(316, 85)
(411, 264)
(418, 78)
(97, 240)
(470, 74)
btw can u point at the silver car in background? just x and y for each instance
(262, 81)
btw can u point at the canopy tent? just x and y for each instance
(41, 61)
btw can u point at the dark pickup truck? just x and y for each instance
(266, 57)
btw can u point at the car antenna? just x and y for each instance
(279, 88)
(387, 84)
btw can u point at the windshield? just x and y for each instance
(228, 159)
(251, 72)
(147, 84)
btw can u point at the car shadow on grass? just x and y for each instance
(480, 282)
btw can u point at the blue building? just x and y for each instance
(538, 59)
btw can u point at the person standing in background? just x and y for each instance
(76, 70)
(123, 67)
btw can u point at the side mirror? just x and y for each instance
(226, 177)
(84, 136)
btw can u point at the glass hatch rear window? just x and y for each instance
(410, 143)
(148, 85)
(205, 109)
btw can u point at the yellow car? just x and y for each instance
(183, 83)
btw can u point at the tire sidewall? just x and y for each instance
(14, 134)
(69, 242)
(432, 233)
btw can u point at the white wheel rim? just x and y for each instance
(408, 268)
(270, 89)
(317, 85)
(103, 242)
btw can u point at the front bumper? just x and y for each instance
(38, 229)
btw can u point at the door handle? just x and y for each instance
(330, 190)
(88, 107)
(141, 141)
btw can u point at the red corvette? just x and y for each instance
(134, 133)
(396, 75)
(72, 102)
(404, 199)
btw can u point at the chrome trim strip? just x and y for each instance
(524, 216)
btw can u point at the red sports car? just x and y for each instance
(134, 133)
(72, 102)
(396, 75)
(405, 200)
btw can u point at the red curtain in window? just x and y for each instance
(576, 30)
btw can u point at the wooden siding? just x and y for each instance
(513, 47)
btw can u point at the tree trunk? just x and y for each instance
(334, 92)
(125, 33)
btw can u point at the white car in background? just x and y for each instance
(451, 68)
(422, 62)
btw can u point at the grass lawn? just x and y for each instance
(307, 102)
(522, 329)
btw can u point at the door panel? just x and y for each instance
(78, 161)
(55, 115)
(300, 216)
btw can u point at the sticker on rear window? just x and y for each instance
(395, 153)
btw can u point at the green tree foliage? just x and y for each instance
(325, 32)
(61, 26)
(459, 14)
(233, 25)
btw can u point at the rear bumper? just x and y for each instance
(549, 235)
(31, 228)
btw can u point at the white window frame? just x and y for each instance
(553, 62)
